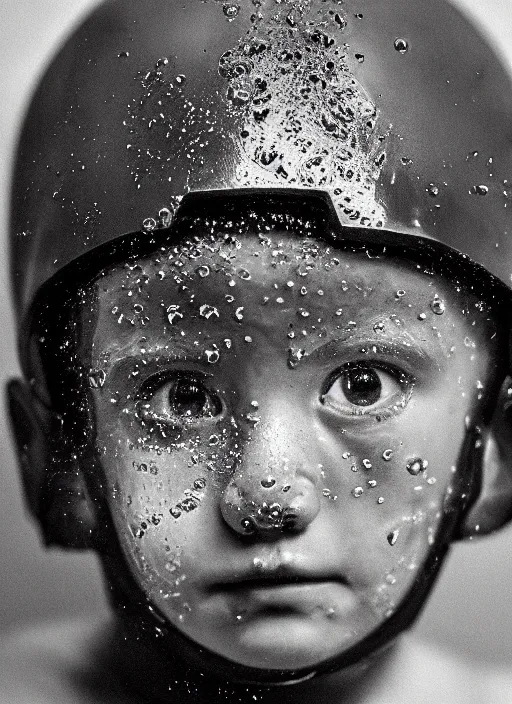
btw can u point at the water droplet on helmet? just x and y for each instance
(401, 45)
(416, 465)
(437, 305)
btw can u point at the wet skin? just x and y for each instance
(259, 452)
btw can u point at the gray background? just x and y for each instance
(471, 609)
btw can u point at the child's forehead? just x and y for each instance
(269, 261)
(289, 286)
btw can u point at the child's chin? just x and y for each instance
(290, 642)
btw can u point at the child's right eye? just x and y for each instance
(182, 397)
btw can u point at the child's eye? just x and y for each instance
(181, 397)
(360, 388)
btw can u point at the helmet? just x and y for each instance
(398, 112)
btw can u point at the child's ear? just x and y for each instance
(56, 495)
(493, 507)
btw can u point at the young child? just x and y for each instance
(261, 266)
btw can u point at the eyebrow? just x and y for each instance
(400, 347)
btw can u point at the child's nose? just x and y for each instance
(276, 488)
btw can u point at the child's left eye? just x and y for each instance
(360, 388)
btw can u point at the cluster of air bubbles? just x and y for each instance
(325, 138)
(192, 499)
(416, 466)
(437, 305)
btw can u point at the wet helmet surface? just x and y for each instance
(397, 110)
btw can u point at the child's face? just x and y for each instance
(229, 378)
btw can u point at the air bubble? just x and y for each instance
(401, 45)
(173, 314)
(212, 356)
(358, 491)
(203, 271)
(387, 455)
(149, 224)
(480, 190)
(231, 11)
(206, 311)
(359, 58)
(367, 464)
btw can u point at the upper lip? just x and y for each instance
(279, 575)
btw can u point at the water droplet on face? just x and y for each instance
(231, 10)
(203, 271)
(358, 491)
(207, 311)
(437, 305)
(387, 455)
(393, 536)
(401, 45)
(174, 314)
(96, 378)
(416, 465)
(212, 356)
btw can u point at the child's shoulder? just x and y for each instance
(438, 676)
(56, 664)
